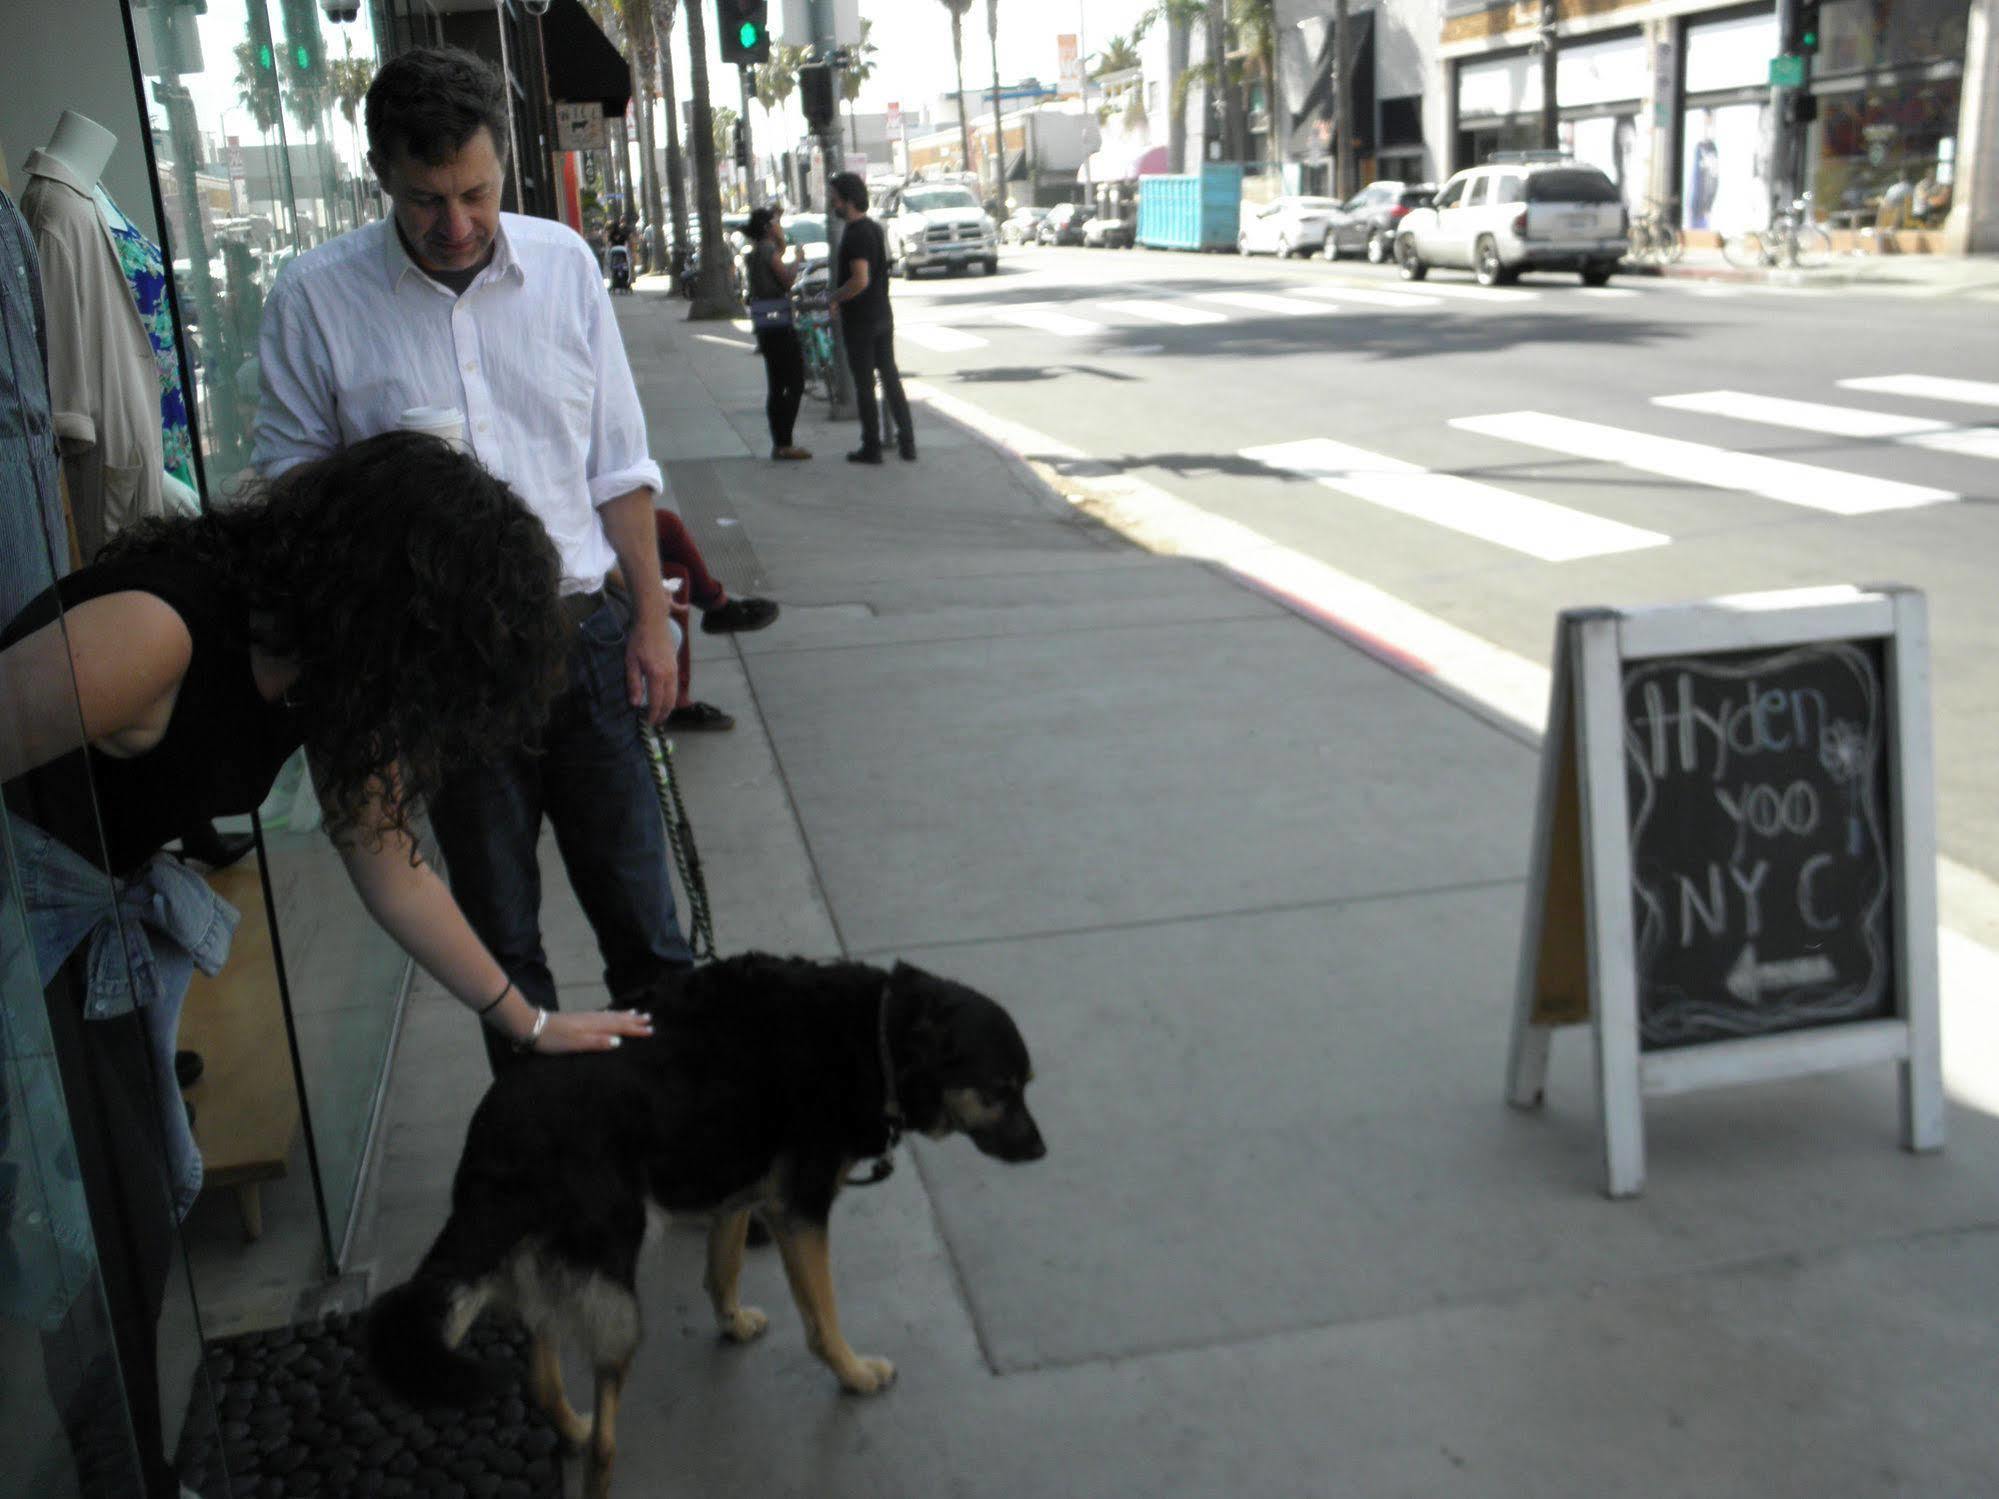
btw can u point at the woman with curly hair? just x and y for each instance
(392, 608)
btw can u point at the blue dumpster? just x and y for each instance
(1195, 211)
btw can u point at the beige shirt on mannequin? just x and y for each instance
(104, 383)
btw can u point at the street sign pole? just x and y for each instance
(826, 42)
(1783, 135)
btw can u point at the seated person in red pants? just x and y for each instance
(680, 558)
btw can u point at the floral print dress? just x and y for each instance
(146, 271)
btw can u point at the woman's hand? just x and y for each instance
(589, 1030)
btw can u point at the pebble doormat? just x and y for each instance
(296, 1412)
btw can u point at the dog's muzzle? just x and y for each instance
(1015, 1138)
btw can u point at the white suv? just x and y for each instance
(1536, 213)
(937, 224)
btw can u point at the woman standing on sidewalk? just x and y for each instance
(777, 339)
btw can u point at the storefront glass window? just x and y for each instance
(1866, 35)
(1725, 174)
(258, 124)
(1887, 156)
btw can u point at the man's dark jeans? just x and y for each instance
(592, 782)
(869, 350)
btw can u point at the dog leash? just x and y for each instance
(680, 838)
(884, 1164)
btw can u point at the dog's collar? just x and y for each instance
(884, 1164)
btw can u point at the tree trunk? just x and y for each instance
(676, 176)
(712, 298)
(1179, 54)
(999, 128)
(958, 52)
(648, 168)
(1343, 163)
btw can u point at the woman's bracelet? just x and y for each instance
(526, 1043)
(484, 1010)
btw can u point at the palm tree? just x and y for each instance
(1181, 17)
(351, 76)
(958, 9)
(1119, 55)
(860, 68)
(676, 177)
(629, 26)
(712, 297)
(1255, 25)
(999, 121)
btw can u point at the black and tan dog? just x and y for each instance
(765, 1081)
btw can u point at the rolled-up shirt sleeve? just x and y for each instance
(620, 461)
(297, 411)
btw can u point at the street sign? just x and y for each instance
(1787, 71)
(1734, 857)
(1069, 62)
(579, 127)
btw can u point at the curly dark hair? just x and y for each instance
(417, 593)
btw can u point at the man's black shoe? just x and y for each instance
(865, 455)
(217, 850)
(908, 452)
(738, 615)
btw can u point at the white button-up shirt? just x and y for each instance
(355, 334)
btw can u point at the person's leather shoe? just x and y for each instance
(699, 718)
(907, 452)
(865, 455)
(206, 846)
(738, 616)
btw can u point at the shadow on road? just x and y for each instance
(1014, 374)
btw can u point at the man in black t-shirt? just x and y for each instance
(869, 326)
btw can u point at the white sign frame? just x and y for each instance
(579, 126)
(1583, 787)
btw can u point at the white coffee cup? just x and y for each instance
(447, 422)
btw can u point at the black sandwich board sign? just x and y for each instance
(1734, 863)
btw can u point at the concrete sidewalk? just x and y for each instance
(1912, 274)
(1254, 896)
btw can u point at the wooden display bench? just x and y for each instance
(246, 1104)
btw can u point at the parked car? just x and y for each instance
(1366, 222)
(1535, 213)
(1108, 232)
(1285, 226)
(1063, 226)
(805, 235)
(930, 224)
(1021, 226)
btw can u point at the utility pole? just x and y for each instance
(750, 184)
(999, 129)
(1343, 163)
(825, 42)
(1551, 113)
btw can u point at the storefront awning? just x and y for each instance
(583, 66)
(1123, 166)
(1311, 123)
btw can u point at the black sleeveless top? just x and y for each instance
(223, 747)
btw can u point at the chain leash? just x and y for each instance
(680, 838)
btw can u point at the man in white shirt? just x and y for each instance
(450, 302)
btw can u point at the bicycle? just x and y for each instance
(1655, 237)
(814, 321)
(1793, 239)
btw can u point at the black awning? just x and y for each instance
(583, 66)
(1312, 121)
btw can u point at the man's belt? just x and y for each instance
(577, 607)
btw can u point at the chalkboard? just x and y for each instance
(1761, 877)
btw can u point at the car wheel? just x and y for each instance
(1597, 275)
(1485, 262)
(1408, 261)
(992, 265)
(1377, 248)
(1242, 244)
(1285, 249)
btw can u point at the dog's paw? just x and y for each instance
(867, 1376)
(745, 1325)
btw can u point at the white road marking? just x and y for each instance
(1607, 291)
(1263, 301)
(1929, 388)
(1166, 312)
(1840, 421)
(1048, 320)
(1346, 291)
(1467, 292)
(1554, 533)
(1698, 463)
(945, 340)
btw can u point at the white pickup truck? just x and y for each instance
(1507, 217)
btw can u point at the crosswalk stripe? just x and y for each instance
(1929, 388)
(1840, 421)
(1048, 320)
(1607, 291)
(1166, 312)
(1342, 291)
(1260, 301)
(1488, 294)
(1697, 463)
(1554, 533)
(937, 336)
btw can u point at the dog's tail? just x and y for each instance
(414, 1328)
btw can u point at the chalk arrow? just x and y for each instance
(1748, 978)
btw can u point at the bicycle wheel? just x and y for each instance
(1811, 246)
(1639, 248)
(1669, 243)
(1744, 251)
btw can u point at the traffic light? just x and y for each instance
(815, 93)
(742, 145)
(743, 29)
(1801, 108)
(1802, 37)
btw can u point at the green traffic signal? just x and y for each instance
(748, 36)
(303, 57)
(264, 55)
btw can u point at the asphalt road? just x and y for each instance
(1494, 455)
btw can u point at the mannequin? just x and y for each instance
(104, 376)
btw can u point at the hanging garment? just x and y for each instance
(104, 383)
(146, 273)
(34, 547)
